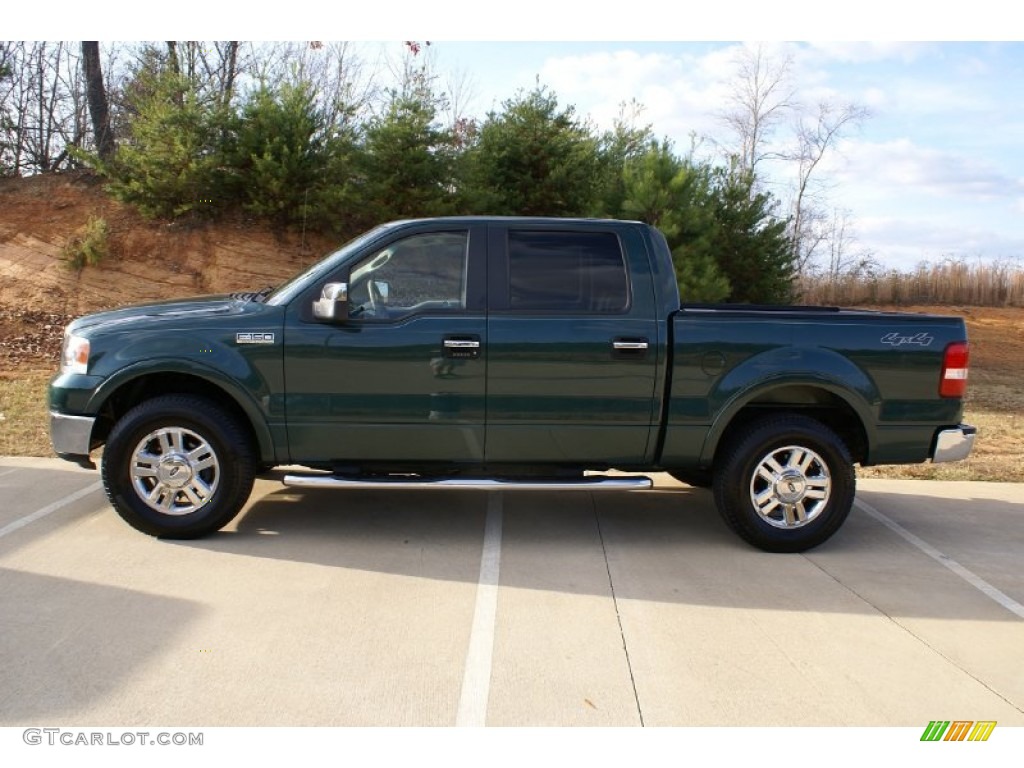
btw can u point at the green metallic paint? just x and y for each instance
(909, 444)
(557, 392)
(191, 338)
(386, 390)
(345, 383)
(545, 388)
(254, 409)
(726, 361)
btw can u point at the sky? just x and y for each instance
(936, 171)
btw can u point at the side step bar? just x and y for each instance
(588, 483)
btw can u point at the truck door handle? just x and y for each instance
(462, 347)
(630, 348)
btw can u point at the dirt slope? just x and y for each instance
(148, 260)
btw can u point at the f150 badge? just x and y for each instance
(254, 338)
(896, 340)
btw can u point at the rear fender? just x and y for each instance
(765, 378)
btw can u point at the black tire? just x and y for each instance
(178, 467)
(786, 483)
(696, 478)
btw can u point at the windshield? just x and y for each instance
(288, 291)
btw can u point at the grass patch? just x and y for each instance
(88, 246)
(949, 283)
(24, 415)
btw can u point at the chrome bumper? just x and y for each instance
(954, 444)
(71, 435)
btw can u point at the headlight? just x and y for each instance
(74, 357)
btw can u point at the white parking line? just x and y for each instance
(971, 578)
(49, 508)
(476, 680)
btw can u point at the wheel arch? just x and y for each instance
(138, 384)
(823, 402)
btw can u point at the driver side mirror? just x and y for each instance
(332, 306)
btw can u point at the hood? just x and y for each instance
(163, 311)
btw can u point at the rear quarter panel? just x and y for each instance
(884, 366)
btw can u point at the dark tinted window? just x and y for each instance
(566, 271)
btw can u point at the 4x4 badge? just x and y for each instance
(896, 340)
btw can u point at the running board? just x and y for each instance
(589, 483)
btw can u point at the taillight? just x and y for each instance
(954, 370)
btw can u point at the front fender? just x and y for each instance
(255, 405)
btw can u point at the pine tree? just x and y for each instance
(175, 160)
(280, 152)
(406, 164)
(533, 159)
(671, 193)
(750, 242)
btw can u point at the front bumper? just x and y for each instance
(954, 444)
(71, 435)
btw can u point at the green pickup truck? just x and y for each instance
(504, 353)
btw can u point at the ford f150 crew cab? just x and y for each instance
(504, 353)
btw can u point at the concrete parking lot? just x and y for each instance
(446, 607)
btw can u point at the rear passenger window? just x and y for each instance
(566, 271)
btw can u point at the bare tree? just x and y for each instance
(458, 92)
(172, 57)
(414, 73)
(334, 71)
(761, 99)
(8, 111)
(764, 100)
(42, 106)
(228, 69)
(815, 137)
(209, 70)
(842, 261)
(845, 259)
(96, 95)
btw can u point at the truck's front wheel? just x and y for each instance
(178, 467)
(785, 484)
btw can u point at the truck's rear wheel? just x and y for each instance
(786, 484)
(178, 467)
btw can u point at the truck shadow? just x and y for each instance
(665, 545)
(78, 644)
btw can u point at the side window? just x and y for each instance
(420, 273)
(566, 271)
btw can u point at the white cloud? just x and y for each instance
(903, 166)
(679, 93)
(913, 96)
(901, 243)
(936, 171)
(854, 52)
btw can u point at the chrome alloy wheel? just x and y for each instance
(790, 487)
(174, 471)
